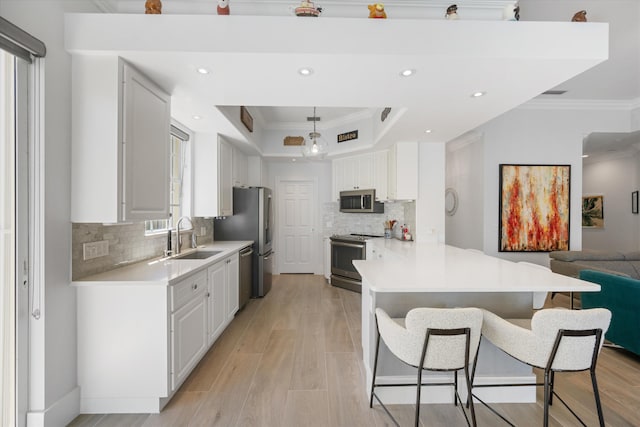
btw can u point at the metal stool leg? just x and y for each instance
(375, 369)
(418, 389)
(597, 397)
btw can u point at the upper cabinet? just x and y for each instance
(225, 182)
(403, 171)
(361, 172)
(213, 177)
(120, 143)
(240, 168)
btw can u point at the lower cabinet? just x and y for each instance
(223, 295)
(137, 343)
(188, 339)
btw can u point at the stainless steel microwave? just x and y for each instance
(360, 201)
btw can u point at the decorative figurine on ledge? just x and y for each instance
(452, 12)
(153, 7)
(580, 16)
(223, 7)
(376, 11)
(307, 8)
(511, 13)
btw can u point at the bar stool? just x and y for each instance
(559, 340)
(433, 339)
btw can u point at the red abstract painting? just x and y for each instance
(534, 208)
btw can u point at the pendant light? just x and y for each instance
(315, 147)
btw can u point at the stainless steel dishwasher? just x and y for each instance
(245, 275)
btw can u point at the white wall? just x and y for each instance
(430, 222)
(318, 170)
(465, 174)
(529, 135)
(53, 398)
(615, 179)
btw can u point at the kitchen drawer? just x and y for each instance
(188, 289)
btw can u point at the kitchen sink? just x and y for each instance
(198, 255)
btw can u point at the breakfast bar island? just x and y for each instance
(405, 275)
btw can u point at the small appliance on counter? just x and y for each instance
(251, 220)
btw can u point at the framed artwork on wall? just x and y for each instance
(593, 211)
(634, 202)
(534, 208)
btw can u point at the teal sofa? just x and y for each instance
(621, 295)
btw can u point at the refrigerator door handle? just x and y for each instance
(267, 256)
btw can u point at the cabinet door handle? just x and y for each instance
(208, 294)
(194, 286)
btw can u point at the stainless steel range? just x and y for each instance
(344, 250)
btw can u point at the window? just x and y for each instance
(178, 165)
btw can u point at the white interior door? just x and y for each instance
(297, 207)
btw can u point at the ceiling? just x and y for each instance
(437, 97)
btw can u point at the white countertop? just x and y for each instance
(435, 267)
(162, 271)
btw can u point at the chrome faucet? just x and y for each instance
(179, 242)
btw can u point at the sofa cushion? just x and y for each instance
(624, 267)
(588, 255)
(636, 266)
(621, 295)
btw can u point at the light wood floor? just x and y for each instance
(293, 359)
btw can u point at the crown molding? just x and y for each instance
(581, 104)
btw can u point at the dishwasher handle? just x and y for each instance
(246, 253)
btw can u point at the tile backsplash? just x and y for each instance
(336, 222)
(127, 244)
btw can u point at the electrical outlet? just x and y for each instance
(95, 249)
(203, 231)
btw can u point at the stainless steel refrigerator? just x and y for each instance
(252, 219)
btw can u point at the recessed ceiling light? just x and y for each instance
(203, 71)
(427, 131)
(305, 71)
(408, 72)
(584, 156)
(293, 160)
(478, 94)
(197, 117)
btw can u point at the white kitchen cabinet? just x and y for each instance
(138, 341)
(233, 286)
(223, 296)
(327, 259)
(188, 326)
(225, 169)
(120, 145)
(403, 171)
(380, 174)
(240, 169)
(213, 177)
(257, 173)
(217, 299)
(359, 173)
(188, 339)
(352, 173)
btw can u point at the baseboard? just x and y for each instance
(61, 413)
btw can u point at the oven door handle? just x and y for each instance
(348, 245)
